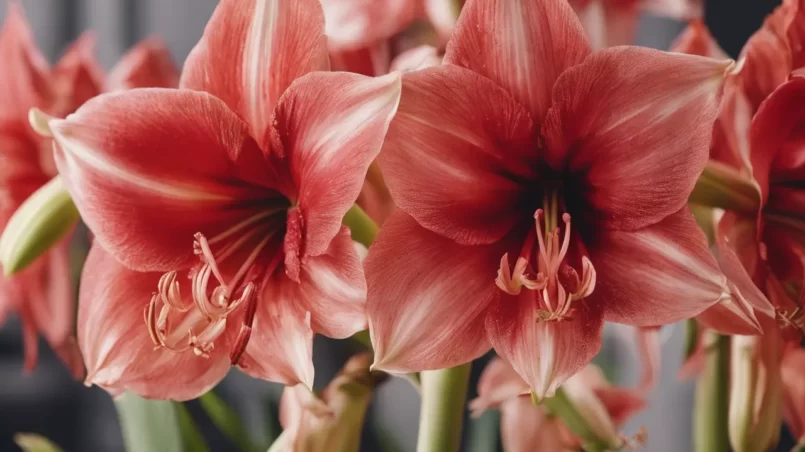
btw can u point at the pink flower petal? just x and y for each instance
(775, 134)
(330, 127)
(656, 275)
(115, 344)
(252, 50)
(637, 112)
(147, 65)
(352, 24)
(456, 154)
(697, 40)
(23, 81)
(528, 428)
(417, 58)
(544, 353)
(427, 297)
(521, 45)
(649, 347)
(280, 348)
(149, 168)
(76, 78)
(332, 288)
(766, 66)
(499, 382)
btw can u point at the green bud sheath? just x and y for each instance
(40, 222)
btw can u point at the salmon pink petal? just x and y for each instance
(280, 347)
(621, 404)
(147, 65)
(252, 50)
(430, 314)
(149, 168)
(767, 65)
(115, 344)
(330, 127)
(417, 58)
(455, 152)
(332, 288)
(620, 23)
(499, 382)
(544, 353)
(740, 313)
(371, 60)
(635, 111)
(352, 24)
(776, 135)
(697, 40)
(523, 46)
(649, 347)
(77, 77)
(527, 428)
(674, 278)
(674, 9)
(23, 81)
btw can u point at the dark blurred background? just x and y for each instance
(77, 418)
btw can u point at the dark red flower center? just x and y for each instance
(542, 265)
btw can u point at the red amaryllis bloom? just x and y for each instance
(565, 172)
(614, 22)
(526, 427)
(226, 196)
(42, 294)
(364, 36)
(755, 145)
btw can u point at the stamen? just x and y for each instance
(246, 329)
(559, 285)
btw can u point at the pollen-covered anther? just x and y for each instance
(513, 282)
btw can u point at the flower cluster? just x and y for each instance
(529, 180)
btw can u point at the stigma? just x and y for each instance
(541, 267)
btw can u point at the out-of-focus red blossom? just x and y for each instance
(221, 202)
(43, 294)
(614, 22)
(490, 156)
(526, 427)
(334, 419)
(793, 368)
(758, 137)
(364, 36)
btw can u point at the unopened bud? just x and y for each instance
(40, 222)
(585, 415)
(31, 442)
(334, 420)
(755, 393)
(724, 187)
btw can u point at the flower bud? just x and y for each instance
(755, 392)
(721, 186)
(333, 421)
(40, 222)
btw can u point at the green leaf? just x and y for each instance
(227, 421)
(191, 436)
(33, 442)
(148, 425)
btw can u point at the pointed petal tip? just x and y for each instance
(40, 122)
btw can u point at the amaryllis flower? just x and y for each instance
(526, 427)
(754, 154)
(562, 171)
(43, 294)
(222, 202)
(334, 419)
(614, 22)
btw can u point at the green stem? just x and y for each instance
(444, 395)
(562, 406)
(723, 187)
(710, 418)
(148, 425)
(363, 229)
